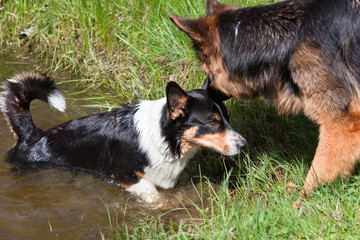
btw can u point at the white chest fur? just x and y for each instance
(164, 169)
(166, 174)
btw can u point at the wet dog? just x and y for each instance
(140, 146)
(302, 55)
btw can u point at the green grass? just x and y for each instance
(129, 50)
(131, 47)
(259, 207)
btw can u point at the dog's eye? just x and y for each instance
(212, 122)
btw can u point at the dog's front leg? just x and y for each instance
(145, 190)
(336, 154)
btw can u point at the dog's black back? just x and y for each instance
(106, 143)
(261, 36)
(272, 33)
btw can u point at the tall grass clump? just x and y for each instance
(259, 207)
(130, 47)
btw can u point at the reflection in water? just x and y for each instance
(58, 204)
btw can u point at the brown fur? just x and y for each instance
(216, 141)
(186, 142)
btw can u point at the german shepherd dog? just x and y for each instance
(302, 55)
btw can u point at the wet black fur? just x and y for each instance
(106, 143)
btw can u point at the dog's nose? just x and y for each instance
(242, 143)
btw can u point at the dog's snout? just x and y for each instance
(234, 142)
(242, 143)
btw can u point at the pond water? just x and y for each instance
(57, 204)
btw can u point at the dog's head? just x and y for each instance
(204, 33)
(195, 120)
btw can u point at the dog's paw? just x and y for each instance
(147, 192)
(297, 205)
(291, 187)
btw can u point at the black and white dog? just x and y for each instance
(140, 146)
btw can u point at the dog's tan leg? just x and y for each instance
(336, 154)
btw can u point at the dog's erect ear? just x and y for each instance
(211, 6)
(206, 83)
(213, 93)
(216, 95)
(195, 28)
(176, 99)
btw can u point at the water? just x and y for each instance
(58, 204)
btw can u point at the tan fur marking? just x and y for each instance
(125, 186)
(324, 94)
(175, 114)
(139, 174)
(217, 117)
(178, 111)
(215, 141)
(307, 70)
(186, 142)
(354, 107)
(234, 86)
(190, 133)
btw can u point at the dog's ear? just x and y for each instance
(217, 95)
(213, 93)
(176, 99)
(211, 6)
(195, 28)
(206, 83)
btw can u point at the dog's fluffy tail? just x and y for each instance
(15, 100)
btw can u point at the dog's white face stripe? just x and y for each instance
(165, 167)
